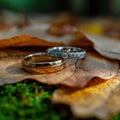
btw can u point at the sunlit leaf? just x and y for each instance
(91, 101)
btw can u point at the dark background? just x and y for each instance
(80, 7)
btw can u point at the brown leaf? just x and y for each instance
(96, 100)
(108, 54)
(80, 40)
(92, 66)
(24, 41)
(11, 72)
(85, 40)
(108, 47)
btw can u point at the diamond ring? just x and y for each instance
(66, 52)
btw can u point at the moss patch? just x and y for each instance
(30, 101)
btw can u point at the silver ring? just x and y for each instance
(42, 63)
(66, 52)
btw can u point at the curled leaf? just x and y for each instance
(108, 54)
(90, 101)
(92, 66)
(24, 41)
(105, 45)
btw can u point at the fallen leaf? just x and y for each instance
(24, 41)
(112, 105)
(110, 46)
(11, 72)
(93, 100)
(92, 66)
(38, 30)
(80, 40)
(108, 54)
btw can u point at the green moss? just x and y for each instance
(116, 117)
(30, 100)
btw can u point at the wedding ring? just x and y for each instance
(66, 52)
(42, 63)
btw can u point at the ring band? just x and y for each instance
(42, 63)
(66, 52)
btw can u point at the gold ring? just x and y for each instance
(42, 63)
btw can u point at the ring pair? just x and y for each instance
(51, 61)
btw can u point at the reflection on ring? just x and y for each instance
(42, 63)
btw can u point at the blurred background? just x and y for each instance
(80, 7)
(60, 17)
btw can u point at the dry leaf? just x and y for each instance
(92, 66)
(105, 45)
(17, 51)
(108, 54)
(110, 48)
(87, 40)
(96, 100)
(24, 41)
(113, 104)
(111, 45)
(80, 40)
(11, 72)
